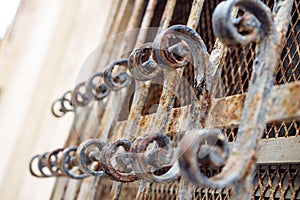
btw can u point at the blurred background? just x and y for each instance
(43, 45)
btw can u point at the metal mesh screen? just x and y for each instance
(289, 67)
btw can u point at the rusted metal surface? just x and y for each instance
(96, 91)
(64, 105)
(227, 111)
(248, 111)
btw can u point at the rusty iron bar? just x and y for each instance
(226, 112)
(146, 22)
(142, 88)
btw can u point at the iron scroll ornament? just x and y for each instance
(256, 25)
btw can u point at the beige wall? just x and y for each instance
(39, 60)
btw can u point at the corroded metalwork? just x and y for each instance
(89, 153)
(146, 163)
(141, 65)
(80, 98)
(64, 105)
(68, 164)
(150, 157)
(96, 91)
(52, 161)
(119, 80)
(125, 174)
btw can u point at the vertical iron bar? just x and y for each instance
(141, 93)
(131, 126)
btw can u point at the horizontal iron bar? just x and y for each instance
(283, 104)
(279, 150)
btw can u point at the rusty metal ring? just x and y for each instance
(41, 173)
(161, 157)
(107, 153)
(210, 148)
(85, 159)
(251, 27)
(68, 163)
(53, 165)
(57, 112)
(191, 49)
(120, 80)
(67, 100)
(79, 98)
(42, 165)
(141, 65)
(191, 44)
(96, 91)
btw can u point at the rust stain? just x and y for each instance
(217, 114)
(234, 109)
(144, 121)
(292, 108)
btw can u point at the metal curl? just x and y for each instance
(52, 161)
(107, 153)
(251, 27)
(37, 165)
(69, 165)
(209, 147)
(64, 103)
(120, 80)
(141, 65)
(96, 91)
(79, 98)
(57, 111)
(158, 158)
(86, 155)
(190, 48)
